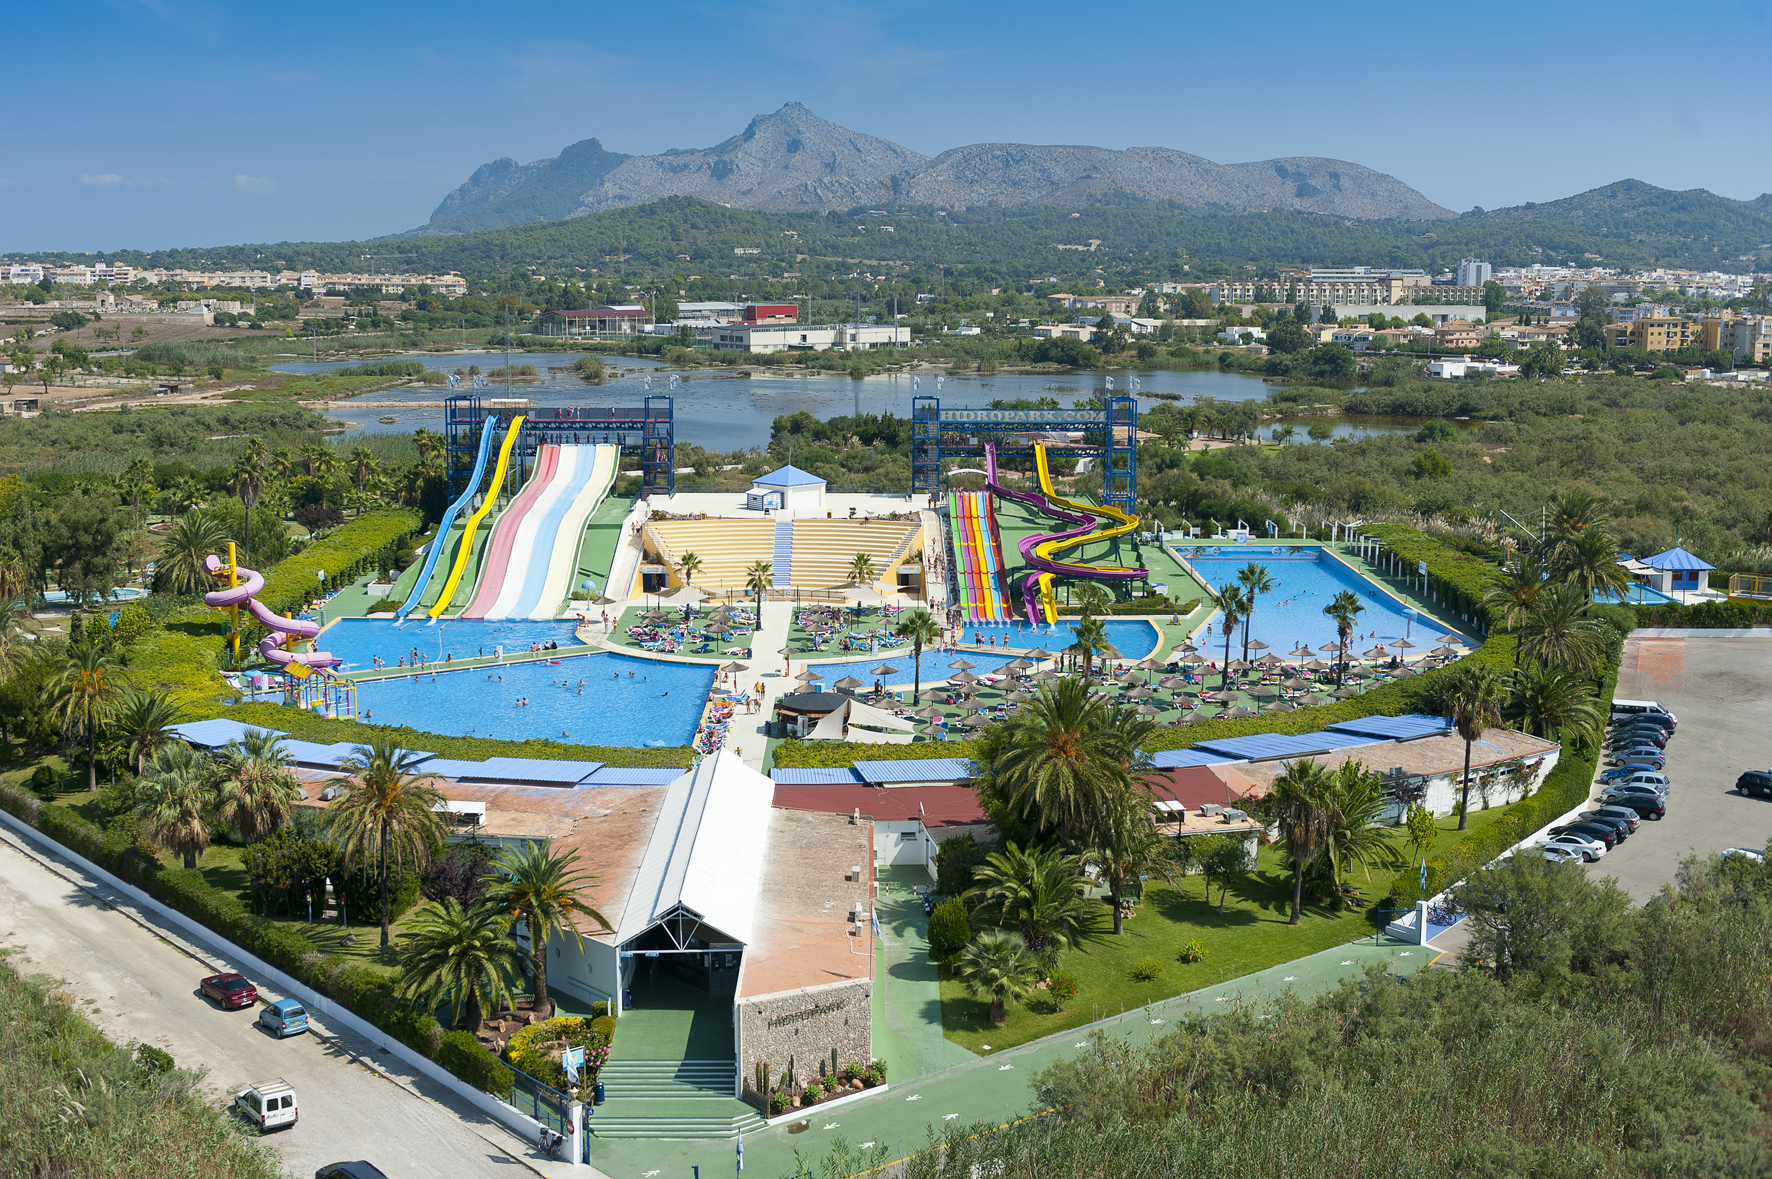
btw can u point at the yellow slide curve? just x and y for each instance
(467, 537)
(1123, 525)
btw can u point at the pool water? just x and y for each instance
(935, 668)
(624, 701)
(358, 640)
(1292, 613)
(1134, 638)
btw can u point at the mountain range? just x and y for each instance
(794, 161)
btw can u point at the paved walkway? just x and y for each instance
(907, 994)
(994, 1087)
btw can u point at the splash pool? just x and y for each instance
(1134, 637)
(622, 701)
(359, 640)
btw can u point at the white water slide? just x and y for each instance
(544, 554)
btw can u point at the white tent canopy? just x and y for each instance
(855, 721)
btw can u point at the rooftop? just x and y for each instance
(1676, 558)
(936, 806)
(802, 930)
(1429, 757)
(787, 477)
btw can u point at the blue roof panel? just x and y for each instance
(214, 733)
(1173, 759)
(1676, 558)
(816, 776)
(634, 776)
(1396, 728)
(1264, 746)
(916, 769)
(788, 477)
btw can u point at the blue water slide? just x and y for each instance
(440, 541)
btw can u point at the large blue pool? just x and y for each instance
(935, 668)
(358, 640)
(1134, 638)
(1305, 582)
(622, 701)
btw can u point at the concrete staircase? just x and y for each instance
(781, 571)
(671, 1099)
(668, 1078)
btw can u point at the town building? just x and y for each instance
(786, 337)
(1458, 333)
(595, 322)
(1473, 272)
(785, 489)
(1654, 334)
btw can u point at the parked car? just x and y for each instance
(1607, 833)
(1648, 806)
(356, 1170)
(1644, 724)
(1589, 848)
(269, 1105)
(1622, 813)
(1619, 773)
(1622, 709)
(286, 1017)
(1653, 760)
(1755, 782)
(1624, 794)
(1746, 853)
(229, 990)
(1631, 737)
(1647, 778)
(1558, 854)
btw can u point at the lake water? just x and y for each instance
(723, 411)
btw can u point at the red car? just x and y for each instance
(230, 990)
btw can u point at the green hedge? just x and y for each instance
(1729, 615)
(366, 543)
(305, 726)
(468, 1059)
(1156, 604)
(1458, 579)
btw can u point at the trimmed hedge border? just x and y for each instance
(368, 542)
(1730, 615)
(1462, 577)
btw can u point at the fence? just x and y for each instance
(1748, 585)
(540, 1101)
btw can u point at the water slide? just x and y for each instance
(1039, 550)
(282, 629)
(554, 588)
(978, 555)
(544, 538)
(466, 547)
(440, 540)
(514, 533)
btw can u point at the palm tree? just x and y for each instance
(1091, 597)
(1284, 434)
(362, 461)
(326, 466)
(1299, 813)
(1345, 607)
(463, 957)
(311, 455)
(546, 892)
(1574, 513)
(172, 800)
(1512, 601)
(1558, 632)
(83, 698)
(256, 791)
(758, 578)
(920, 627)
(1255, 581)
(247, 479)
(386, 813)
(689, 565)
(1231, 603)
(136, 484)
(1588, 562)
(1549, 700)
(1061, 756)
(195, 537)
(15, 576)
(429, 442)
(1474, 701)
(1352, 835)
(1092, 640)
(861, 569)
(997, 966)
(1125, 846)
(145, 718)
(1040, 891)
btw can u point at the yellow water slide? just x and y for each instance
(1045, 551)
(466, 547)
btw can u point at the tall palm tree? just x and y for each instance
(1092, 640)
(196, 535)
(758, 578)
(689, 565)
(1558, 632)
(997, 966)
(84, 697)
(1091, 597)
(1573, 513)
(861, 569)
(1352, 834)
(172, 801)
(920, 627)
(311, 456)
(1255, 581)
(145, 718)
(429, 442)
(1345, 608)
(1588, 562)
(1512, 600)
(1061, 757)
(247, 480)
(326, 466)
(362, 461)
(1300, 814)
(136, 484)
(1232, 600)
(1555, 700)
(386, 813)
(463, 957)
(1124, 845)
(1038, 890)
(546, 892)
(1475, 698)
(255, 789)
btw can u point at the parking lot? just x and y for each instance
(1721, 690)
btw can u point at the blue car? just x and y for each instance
(285, 1017)
(1625, 771)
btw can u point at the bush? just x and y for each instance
(314, 518)
(954, 861)
(362, 892)
(1146, 969)
(152, 1060)
(469, 1060)
(1062, 987)
(810, 1095)
(778, 1104)
(1193, 951)
(950, 931)
(44, 781)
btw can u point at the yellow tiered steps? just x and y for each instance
(823, 549)
(726, 548)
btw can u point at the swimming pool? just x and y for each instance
(358, 640)
(1134, 637)
(623, 701)
(1292, 613)
(935, 667)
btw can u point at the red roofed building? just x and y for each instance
(910, 822)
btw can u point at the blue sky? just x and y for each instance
(152, 123)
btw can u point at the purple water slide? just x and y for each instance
(1082, 525)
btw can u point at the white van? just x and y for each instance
(269, 1105)
(1628, 708)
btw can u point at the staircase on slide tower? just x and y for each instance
(782, 569)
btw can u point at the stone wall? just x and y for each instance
(805, 1025)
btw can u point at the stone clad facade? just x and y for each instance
(805, 1025)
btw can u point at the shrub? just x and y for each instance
(469, 1060)
(829, 1082)
(950, 931)
(1062, 987)
(1146, 969)
(44, 782)
(152, 1060)
(954, 860)
(1193, 951)
(362, 892)
(778, 1104)
(810, 1094)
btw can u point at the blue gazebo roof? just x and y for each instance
(788, 477)
(1675, 558)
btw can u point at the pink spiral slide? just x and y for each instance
(245, 594)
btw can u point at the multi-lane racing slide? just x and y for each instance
(534, 549)
(978, 556)
(283, 630)
(465, 549)
(440, 540)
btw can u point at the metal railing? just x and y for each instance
(540, 1101)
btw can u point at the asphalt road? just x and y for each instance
(137, 980)
(1721, 690)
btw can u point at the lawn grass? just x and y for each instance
(220, 865)
(1251, 935)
